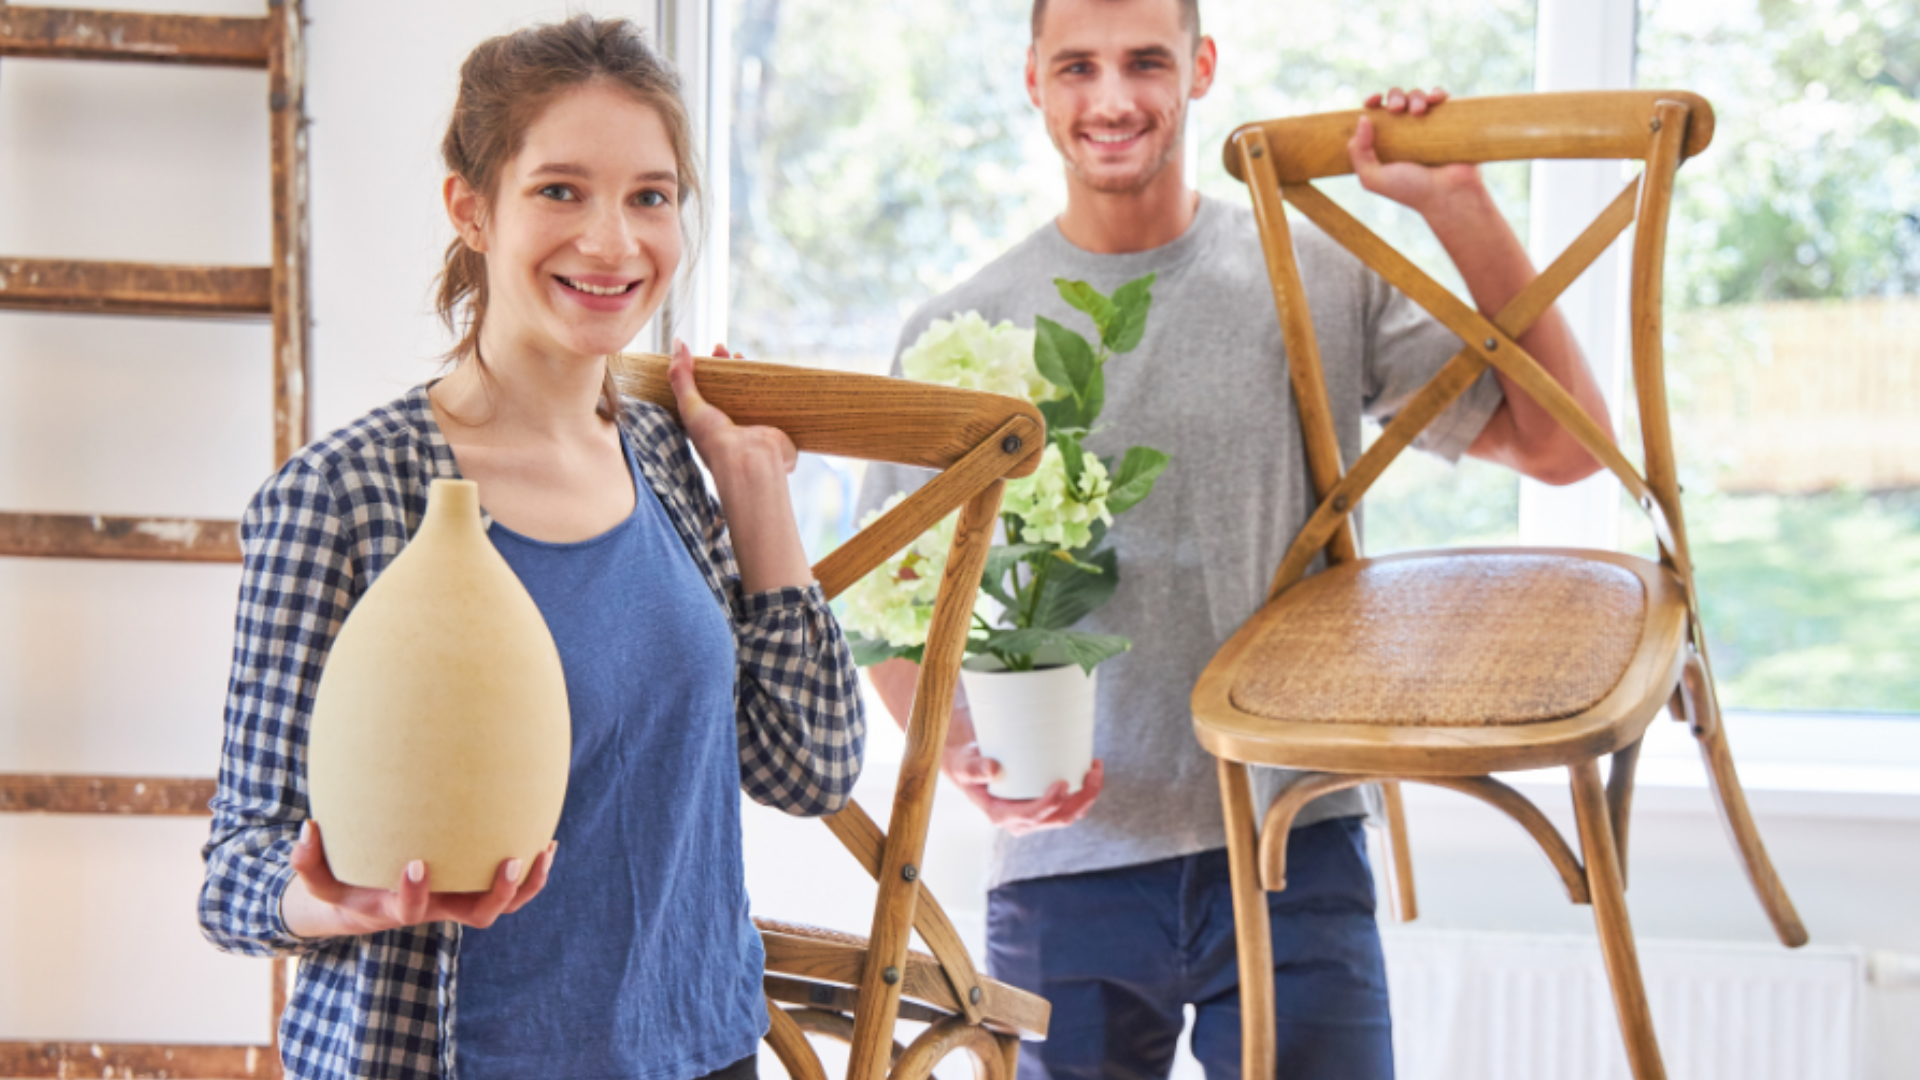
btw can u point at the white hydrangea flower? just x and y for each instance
(965, 352)
(894, 603)
(1050, 509)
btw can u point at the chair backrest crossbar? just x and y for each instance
(977, 441)
(1278, 159)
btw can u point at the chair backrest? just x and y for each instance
(1279, 160)
(977, 441)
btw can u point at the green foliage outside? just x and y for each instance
(1811, 190)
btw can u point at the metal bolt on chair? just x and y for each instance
(841, 986)
(1443, 667)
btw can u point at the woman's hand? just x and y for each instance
(317, 904)
(750, 466)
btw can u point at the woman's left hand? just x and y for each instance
(726, 447)
(749, 466)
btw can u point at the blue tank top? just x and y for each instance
(638, 960)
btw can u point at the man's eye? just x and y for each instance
(557, 192)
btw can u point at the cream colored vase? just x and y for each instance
(440, 728)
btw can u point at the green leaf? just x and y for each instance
(1064, 417)
(1001, 560)
(1085, 297)
(1130, 302)
(1072, 457)
(1134, 481)
(1020, 649)
(1071, 592)
(870, 651)
(1064, 358)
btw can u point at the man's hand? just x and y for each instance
(971, 772)
(1424, 189)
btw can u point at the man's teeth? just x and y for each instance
(1112, 138)
(595, 290)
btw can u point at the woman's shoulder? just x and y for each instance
(370, 462)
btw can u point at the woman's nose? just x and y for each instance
(608, 234)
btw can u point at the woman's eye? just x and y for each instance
(557, 192)
(653, 198)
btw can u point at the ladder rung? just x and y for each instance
(76, 34)
(117, 1060)
(165, 796)
(83, 536)
(112, 288)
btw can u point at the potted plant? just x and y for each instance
(1029, 676)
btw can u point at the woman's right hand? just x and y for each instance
(316, 904)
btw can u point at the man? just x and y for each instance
(1113, 902)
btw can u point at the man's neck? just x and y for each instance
(1110, 223)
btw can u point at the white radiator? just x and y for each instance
(1479, 1006)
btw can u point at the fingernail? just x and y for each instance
(513, 869)
(306, 831)
(416, 871)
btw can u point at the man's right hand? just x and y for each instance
(317, 904)
(971, 772)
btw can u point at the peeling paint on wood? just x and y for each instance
(81, 536)
(114, 288)
(22, 793)
(134, 1061)
(77, 34)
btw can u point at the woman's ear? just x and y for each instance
(464, 210)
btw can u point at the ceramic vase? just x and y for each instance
(1037, 724)
(440, 727)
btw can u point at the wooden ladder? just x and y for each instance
(278, 292)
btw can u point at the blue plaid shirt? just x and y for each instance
(382, 1005)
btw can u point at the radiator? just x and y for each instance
(1481, 1006)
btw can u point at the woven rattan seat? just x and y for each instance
(1445, 641)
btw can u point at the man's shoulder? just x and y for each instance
(1002, 289)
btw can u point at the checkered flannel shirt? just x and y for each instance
(382, 1005)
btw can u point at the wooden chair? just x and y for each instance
(1444, 667)
(839, 985)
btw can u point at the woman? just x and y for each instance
(699, 655)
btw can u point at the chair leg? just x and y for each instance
(1251, 933)
(1610, 918)
(1400, 896)
(1696, 698)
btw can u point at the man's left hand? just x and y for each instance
(1422, 188)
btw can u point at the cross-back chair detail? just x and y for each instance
(841, 986)
(1667, 661)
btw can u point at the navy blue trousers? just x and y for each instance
(1121, 952)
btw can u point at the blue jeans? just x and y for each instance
(1120, 952)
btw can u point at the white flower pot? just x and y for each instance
(1037, 724)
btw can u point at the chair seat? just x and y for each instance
(1428, 647)
(836, 959)
(1448, 641)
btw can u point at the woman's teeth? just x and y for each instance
(596, 290)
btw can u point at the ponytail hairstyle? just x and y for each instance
(505, 84)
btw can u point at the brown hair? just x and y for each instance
(1189, 18)
(505, 84)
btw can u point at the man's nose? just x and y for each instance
(1111, 96)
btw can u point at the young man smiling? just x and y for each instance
(1113, 901)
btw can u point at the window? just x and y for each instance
(1793, 343)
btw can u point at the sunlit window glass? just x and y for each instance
(1793, 342)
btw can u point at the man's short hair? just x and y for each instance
(1189, 18)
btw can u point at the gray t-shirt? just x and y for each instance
(1208, 384)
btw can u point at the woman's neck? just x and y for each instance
(508, 392)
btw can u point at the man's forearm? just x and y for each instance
(1496, 268)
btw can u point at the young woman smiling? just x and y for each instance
(700, 657)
